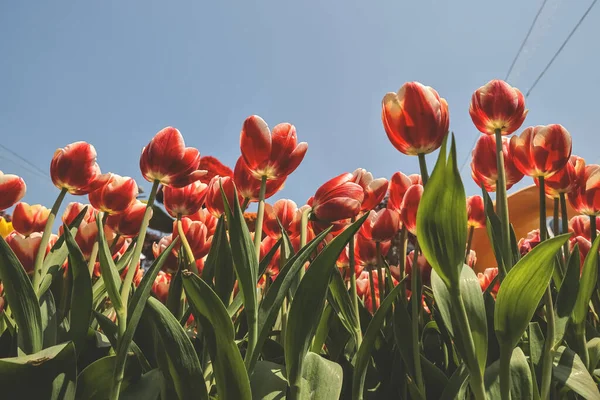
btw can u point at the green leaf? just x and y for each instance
(522, 290)
(536, 350)
(470, 290)
(587, 284)
(269, 307)
(570, 371)
(321, 378)
(230, 372)
(268, 381)
(219, 264)
(59, 252)
(49, 319)
(342, 304)
(565, 302)
(521, 383)
(48, 374)
(457, 382)
(22, 299)
(435, 379)
(94, 382)
(174, 296)
(403, 336)
(363, 355)
(108, 270)
(175, 346)
(442, 218)
(146, 388)
(493, 227)
(593, 347)
(123, 261)
(81, 295)
(311, 295)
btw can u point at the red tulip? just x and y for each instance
(366, 251)
(272, 154)
(160, 287)
(363, 288)
(567, 179)
(374, 189)
(171, 264)
(214, 167)
(196, 235)
(541, 150)
(398, 187)
(128, 223)
(27, 219)
(166, 159)
(74, 209)
(415, 119)
(285, 212)
(528, 243)
(497, 105)
(12, 189)
(584, 245)
(337, 199)
(214, 200)
(116, 195)
(484, 168)
(209, 220)
(249, 186)
(265, 246)
(75, 169)
(26, 248)
(87, 233)
(472, 259)
(137, 277)
(381, 225)
(586, 198)
(423, 265)
(486, 278)
(580, 226)
(186, 200)
(410, 206)
(475, 212)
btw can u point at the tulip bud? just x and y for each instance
(374, 189)
(484, 169)
(398, 187)
(171, 264)
(116, 195)
(409, 208)
(497, 105)
(27, 219)
(167, 160)
(285, 212)
(337, 199)
(567, 179)
(160, 287)
(128, 223)
(415, 119)
(586, 198)
(475, 212)
(214, 200)
(541, 151)
(381, 225)
(12, 189)
(75, 169)
(186, 200)
(272, 154)
(527, 244)
(249, 186)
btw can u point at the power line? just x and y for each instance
(37, 169)
(561, 47)
(512, 65)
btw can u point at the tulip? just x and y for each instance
(167, 160)
(475, 212)
(160, 287)
(171, 264)
(214, 200)
(12, 189)
(116, 195)
(6, 226)
(366, 252)
(471, 259)
(337, 199)
(586, 198)
(186, 200)
(285, 212)
(27, 219)
(399, 184)
(423, 265)
(74, 169)
(484, 167)
(367, 284)
(26, 248)
(381, 225)
(127, 223)
(209, 220)
(415, 119)
(567, 179)
(214, 167)
(196, 234)
(265, 247)
(249, 187)
(497, 106)
(486, 278)
(410, 206)
(527, 244)
(273, 155)
(74, 209)
(374, 189)
(580, 226)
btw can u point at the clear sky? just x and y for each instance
(113, 73)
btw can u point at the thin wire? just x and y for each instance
(35, 167)
(561, 47)
(525, 40)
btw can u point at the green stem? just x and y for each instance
(565, 223)
(469, 240)
(304, 233)
(555, 217)
(582, 344)
(190, 260)
(353, 292)
(245, 204)
(423, 168)
(113, 245)
(502, 203)
(38, 266)
(505, 356)
(415, 299)
(402, 260)
(258, 227)
(372, 289)
(380, 271)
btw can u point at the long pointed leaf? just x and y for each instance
(587, 284)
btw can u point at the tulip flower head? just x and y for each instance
(381, 225)
(74, 209)
(186, 200)
(209, 220)
(497, 105)
(475, 212)
(285, 212)
(374, 189)
(586, 198)
(25, 248)
(275, 154)
(527, 244)
(167, 160)
(160, 287)
(580, 225)
(566, 180)
(484, 169)
(12, 189)
(171, 264)
(337, 199)
(365, 250)
(415, 119)
(541, 151)
(214, 200)
(74, 168)
(196, 234)
(128, 223)
(486, 278)
(116, 195)
(213, 167)
(249, 186)
(410, 206)
(399, 184)
(27, 219)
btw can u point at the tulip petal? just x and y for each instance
(255, 141)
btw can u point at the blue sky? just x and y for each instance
(113, 73)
